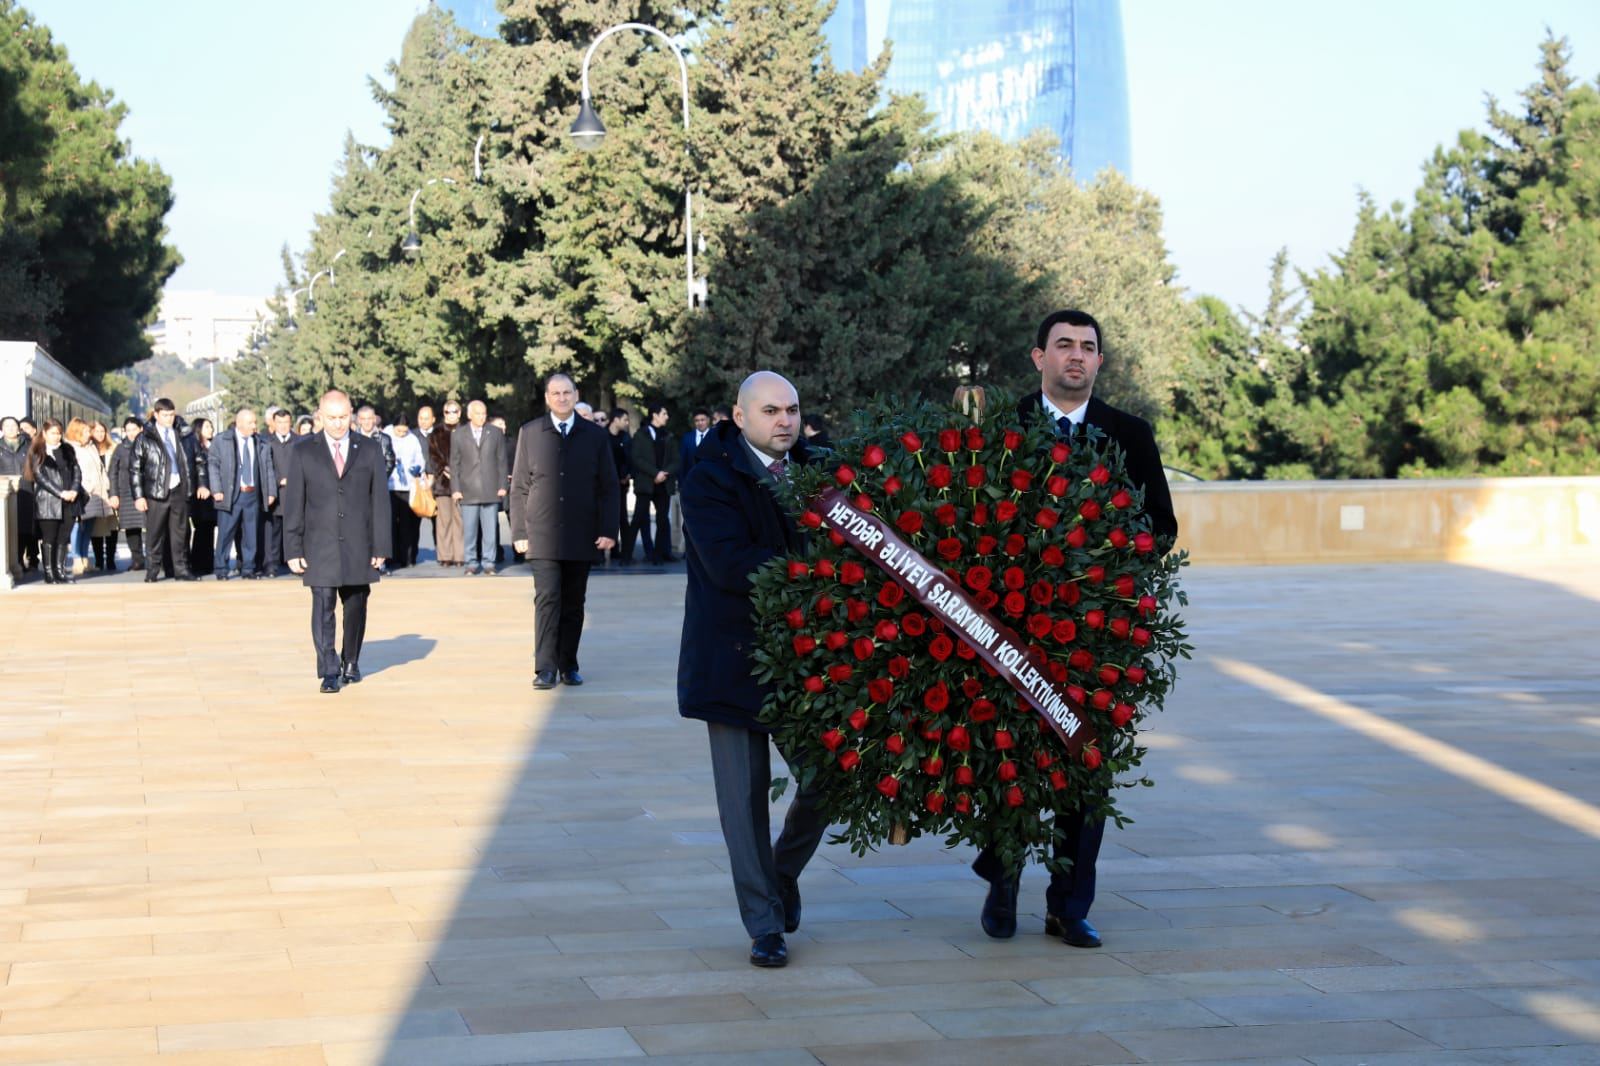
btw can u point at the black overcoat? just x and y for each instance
(732, 523)
(129, 517)
(563, 490)
(338, 525)
(1140, 455)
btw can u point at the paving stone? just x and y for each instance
(1257, 1041)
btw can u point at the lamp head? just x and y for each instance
(588, 131)
(310, 306)
(412, 244)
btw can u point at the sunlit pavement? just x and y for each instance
(1374, 838)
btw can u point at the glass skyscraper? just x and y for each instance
(1006, 66)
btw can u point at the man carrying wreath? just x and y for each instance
(733, 522)
(1068, 353)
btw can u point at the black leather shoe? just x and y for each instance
(1075, 931)
(1000, 909)
(769, 950)
(151, 577)
(571, 677)
(544, 679)
(330, 683)
(350, 674)
(187, 576)
(789, 896)
(220, 576)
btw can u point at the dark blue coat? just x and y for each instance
(732, 523)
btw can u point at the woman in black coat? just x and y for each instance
(202, 512)
(58, 491)
(129, 518)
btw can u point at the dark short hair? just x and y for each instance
(163, 404)
(815, 422)
(722, 410)
(10, 418)
(655, 407)
(305, 420)
(1071, 318)
(130, 421)
(698, 411)
(619, 412)
(282, 412)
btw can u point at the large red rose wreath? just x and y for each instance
(885, 690)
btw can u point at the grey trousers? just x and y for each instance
(741, 766)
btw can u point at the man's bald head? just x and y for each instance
(334, 410)
(244, 420)
(768, 412)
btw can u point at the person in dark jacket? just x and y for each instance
(655, 472)
(202, 511)
(280, 438)
(622, 451)
(478, 482)
(243, 483)
(1068, 353)
(163, 480)
(734, 523)
(53, 468)
(563, 515)
(13, 460)
(448, 548)
(336, 532)
(129, 519)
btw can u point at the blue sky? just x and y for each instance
(1255, 122)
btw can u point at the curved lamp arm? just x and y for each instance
(413, 208)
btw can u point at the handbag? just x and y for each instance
(423, 505)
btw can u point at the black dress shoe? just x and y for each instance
(151, 577)
(330, 683)
(544, 679)
(769, 950)
(789, 896)
(350, 674)
(220, 576)
(1075, 931)
(571, 677)
(187, 576)
(1000, 908)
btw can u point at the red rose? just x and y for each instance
(1118, 538)
(863, 648)
(933, 765)
(959, 740)
(889, 786)
(941, 647)
(858, 719)
(1042, 593)
(899, 667)
(832, 739)
(891, 594)
(979, 577)
(1089, 509)
(836, 538)
(987, 599)
(948, 548)
(970, 687)
(812, 684)
(804, 644)
(811, 520)
(824, 606)
(1052, 556)
(839, 673)
(1095, 574)
(1081, 659)
(1039, 625)
(798, 571)
(1077, 537)
(974, 477)
(945, 514)
(1002, 740)
(1109, 675)
(855, 610)
(1124, 586)
(1021, 480)
(1147, 606)
(1101, 699)
(1013, 440)
(880, 689)
(862, 502)
(873, 457)
(844, 475)
(1076, 694)
(1005, 511)
(1060, 453)
(935, 802)
(949, 440)
(1057, 485)
(1015, 604)
(824, 568)
(836, 640)
(974, 439)
(1144, 543)
(1121, 714)
(851, 573)
(796, 618)
(896, 744)
(1015, 578)
(909, 522)
(1069, 593)
(1058, 780)
(965, 776)
(1016, 544)
(1100, 475)
(1064, 630)
(964, 804)
(1141, 637)
(980, 514)
(1058, 671)
(932, 733)
(1042, 760)
(1122, 499)
(939, 476)
(892, 485)
(982, 711)
(964, 651)
(986, 545)
(1046, 518)
(1091, 758)
(911, 442)
(1014, 796)
(1095, 619)
(937, 698)
(1119, 628)
(1007, 771)
(914, 624)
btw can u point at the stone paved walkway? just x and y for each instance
(203, 860)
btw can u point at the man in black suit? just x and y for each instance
(734, 522)
(162, 484)
(564, 513)
(655, 471)
(244, 483)
(280, 439)
(1068, 353)
(336, 532)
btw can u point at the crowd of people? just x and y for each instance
(82, 493)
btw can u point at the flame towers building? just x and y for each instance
(1006, 66)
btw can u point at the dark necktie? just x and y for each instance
(777, 466)
(1064, 426)
(563, 426)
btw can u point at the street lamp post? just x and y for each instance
(588, 131)
(413, 243)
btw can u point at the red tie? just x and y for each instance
(338, 459)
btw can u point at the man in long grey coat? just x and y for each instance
(336, 532)
(478, 468)
(564, 512)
